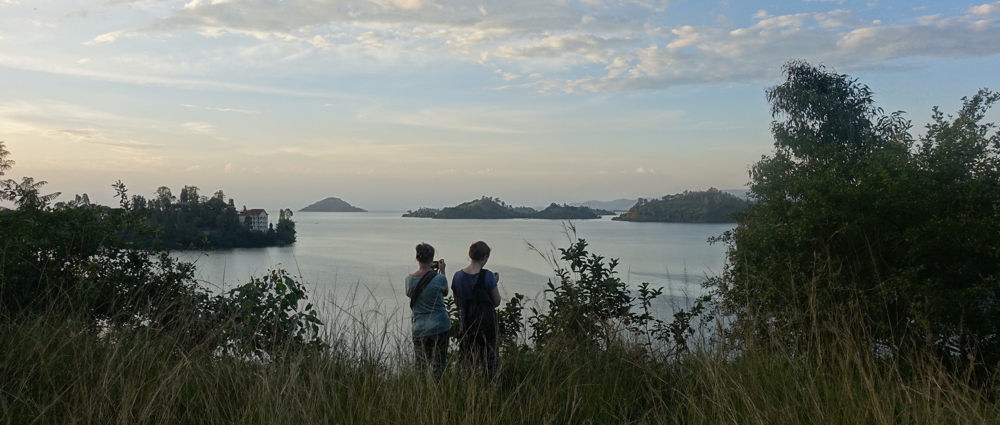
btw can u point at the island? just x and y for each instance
(488, 208)
(332, 204)
(710, 206)
(422, 212)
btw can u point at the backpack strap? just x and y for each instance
(481, 279)
(424, 281)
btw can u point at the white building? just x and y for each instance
(257, 219)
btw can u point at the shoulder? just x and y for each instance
(440, 279)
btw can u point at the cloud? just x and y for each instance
(242, 111)
(109, 37)
(985, 9)
(712, 55)
(589, 48)
(229, 168)
(630, 39)
(96, 138)
(199, 127)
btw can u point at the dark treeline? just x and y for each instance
(195, 221)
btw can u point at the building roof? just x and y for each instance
(253, 212)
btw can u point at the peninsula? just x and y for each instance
(710, 206)
(332, 205)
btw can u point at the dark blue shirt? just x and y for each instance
(462, 284)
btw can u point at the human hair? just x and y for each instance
(425, 252)
(478, 251)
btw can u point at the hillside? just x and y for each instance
(487, 208)
(566, 212)
(711, 206)
(332, 205)
(483, 208)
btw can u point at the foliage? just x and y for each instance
(592, 306)
(710, 206)
(200, 222)
(264, 315)
(83, 258)
(851, 215)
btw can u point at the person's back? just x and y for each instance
(426, 290)
(462, 283)
(476, 349)
(430, 316)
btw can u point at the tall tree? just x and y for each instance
(851, 215)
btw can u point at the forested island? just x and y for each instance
(193, 221)
(710, 206)
(332, 204)
(493, 208)
(422, 212)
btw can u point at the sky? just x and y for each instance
(398, 104)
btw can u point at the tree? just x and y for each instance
(164, 197)
(25, 194)
(852, 220)
(5, 164)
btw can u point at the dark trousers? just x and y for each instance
(480, 353)
(431, 349)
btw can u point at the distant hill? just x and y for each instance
(616, 205)
(483, 208)
(487, 208)
(566, 212)
(332, 205)
(710, 206)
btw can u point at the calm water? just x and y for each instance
(339, 253)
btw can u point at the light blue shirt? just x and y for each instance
(430, 317)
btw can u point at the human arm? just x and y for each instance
(494, 292)
(442, 269)
(495, 295)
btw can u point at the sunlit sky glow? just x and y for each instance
(397, 104)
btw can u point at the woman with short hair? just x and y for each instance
(477, 349)
(426, 289)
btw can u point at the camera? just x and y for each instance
(434, 265)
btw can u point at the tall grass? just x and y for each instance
(56, 369)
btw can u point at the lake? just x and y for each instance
(367, 255)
